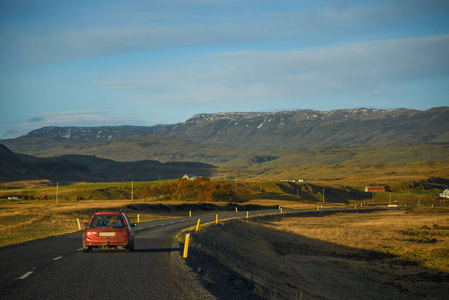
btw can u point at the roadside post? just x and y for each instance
(190, 213)
(236, 210)
(138, 218)
(198, 225)
(79, 225)
(216, 219)
(186, 245)
(247, 215)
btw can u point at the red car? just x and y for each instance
(109, 230)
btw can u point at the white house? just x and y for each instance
(445, 194)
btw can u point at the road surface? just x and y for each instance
(57, 268)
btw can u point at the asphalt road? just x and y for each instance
(56, 267)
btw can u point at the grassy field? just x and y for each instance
(358, 175)
(394, 254)
(26, 220)
(45, 209)
(22, 221)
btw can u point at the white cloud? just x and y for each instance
(363, 68)
(114, 28)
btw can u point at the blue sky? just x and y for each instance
(92, 63)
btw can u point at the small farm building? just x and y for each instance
(375, 189)
(445, 194)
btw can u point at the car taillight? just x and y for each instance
(124, 220)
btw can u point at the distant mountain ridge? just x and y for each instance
(243, 139)
(91, 134)
(287, 129)
(309, 128)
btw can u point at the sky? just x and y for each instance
(107, 63)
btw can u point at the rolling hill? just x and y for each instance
(75, 168)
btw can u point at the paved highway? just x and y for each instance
(56, 268)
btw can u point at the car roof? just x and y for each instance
(108, 212)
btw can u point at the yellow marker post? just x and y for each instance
(318, 208)
(186, 245)
(198, 225)
(247, 215)
(355, 206)
(236, 210)
(138, 218)
(216, 219)
(281, 210)
(79, 225)
(190, 213)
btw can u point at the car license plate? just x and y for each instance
(106, 234)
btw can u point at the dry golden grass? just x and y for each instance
(22, 221)
(418, 235)
(314, 255)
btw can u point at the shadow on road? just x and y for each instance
(158, 250)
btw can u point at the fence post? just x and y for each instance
(186, 245)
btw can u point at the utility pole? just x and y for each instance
(57, 191)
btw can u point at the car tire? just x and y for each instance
(87, 249)
(130, 247)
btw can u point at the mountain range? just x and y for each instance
(251, 139)
(287, 129)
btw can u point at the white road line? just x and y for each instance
(57, 258)
(79, 249)
(162, 224)
(151, 226)
(26, 275)
(172, 223)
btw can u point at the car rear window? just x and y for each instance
(105, 220)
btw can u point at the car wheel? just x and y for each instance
(130, 247)
(87, 249)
